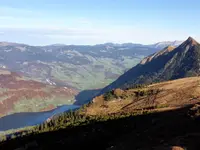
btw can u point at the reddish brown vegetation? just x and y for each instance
(10, 81)
(16, 89)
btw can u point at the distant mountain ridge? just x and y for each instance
(62, 71)
(68, 65)
(167, 43)
(168, 64)
(85, 68)
(158, 44)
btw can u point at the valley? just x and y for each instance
(72, 66)
(76, 66)
(40, 78)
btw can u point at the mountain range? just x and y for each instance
(76, 66)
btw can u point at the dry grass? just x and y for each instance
(174, 94)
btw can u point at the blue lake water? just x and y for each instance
(19, 120)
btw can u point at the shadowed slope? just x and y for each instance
(170, 63)
(151, 131)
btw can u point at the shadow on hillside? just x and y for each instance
(86, 96)
(136, 132)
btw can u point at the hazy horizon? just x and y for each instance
(91, 22)
(52, 44)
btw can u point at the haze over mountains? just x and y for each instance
(68, 65)
(76, 67)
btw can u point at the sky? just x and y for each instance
(44, 22)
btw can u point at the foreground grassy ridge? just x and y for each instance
(168, 95)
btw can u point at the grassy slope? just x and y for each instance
(172, 94)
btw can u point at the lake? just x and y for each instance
(23, 119)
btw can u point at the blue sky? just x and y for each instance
(42, 22)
